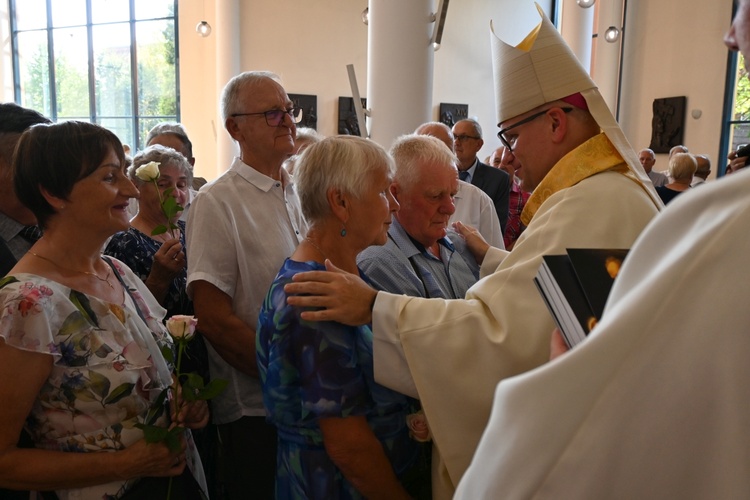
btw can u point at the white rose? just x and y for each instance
(148, 172)
(180, 326)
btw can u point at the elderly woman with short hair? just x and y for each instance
(341, 435)
(682, 167)
(159, 260)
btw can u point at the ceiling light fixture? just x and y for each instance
(203, 29)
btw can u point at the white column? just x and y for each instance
(227, 32)
(606, 68)
(577, 29)
(400, 67)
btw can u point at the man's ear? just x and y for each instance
(234, 130)
(559, 124)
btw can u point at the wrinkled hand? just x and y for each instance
(474, 241)
(193, 415)
(169, 259)
(557, 345)
(143, 459)
(343, 296)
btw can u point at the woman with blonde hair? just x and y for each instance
(682, 167)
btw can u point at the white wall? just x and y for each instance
(674, 48)
(309, 44)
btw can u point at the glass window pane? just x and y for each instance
(31, 14)
(71, 73)
(156, 68)
(112, 70)
(147, 123)
(33, 65)
(741, 92)
(107, 11)
(121, 127)
(154, 9)
(68, 13)
(740, 136)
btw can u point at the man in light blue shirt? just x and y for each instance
(422, 258)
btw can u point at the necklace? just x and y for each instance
(316, 248)
(105, 279)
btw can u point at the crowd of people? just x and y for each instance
(372, 311)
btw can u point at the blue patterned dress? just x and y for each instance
(137, 250)
(313, 370)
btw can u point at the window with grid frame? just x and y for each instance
(110, 62)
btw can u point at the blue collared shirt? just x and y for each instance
(406, 267)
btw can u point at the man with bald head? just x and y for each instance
(703, 170)
(647, 159)
(240, 229)
(473, 206)
(580, 178)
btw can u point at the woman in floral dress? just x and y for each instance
(80, 335)
(341, 435)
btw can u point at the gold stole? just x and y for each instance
(596, 155)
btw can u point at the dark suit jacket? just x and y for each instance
(496, 184)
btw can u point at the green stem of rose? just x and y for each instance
(161, 205)
(177, 403)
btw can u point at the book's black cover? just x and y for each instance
(596, 270)
(575, 288)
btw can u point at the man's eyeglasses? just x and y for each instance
(462, 138)
(509, 142)
(275, 117)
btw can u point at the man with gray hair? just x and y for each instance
(240, 229)
(473, 206)
(467, 142)
(422, 257)
(647, 159)
(703, 170)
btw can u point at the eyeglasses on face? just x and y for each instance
(275, 117)
(509, 142)
(462, 138)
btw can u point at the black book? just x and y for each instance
(575, 288)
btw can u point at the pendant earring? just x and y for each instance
(343, 232)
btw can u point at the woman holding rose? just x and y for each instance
(341, 435)
(81, 335)
(158, 259)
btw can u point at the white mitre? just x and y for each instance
(542, 69)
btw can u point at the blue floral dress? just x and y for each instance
(314, 370)
(107, 367)
(137, 250)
